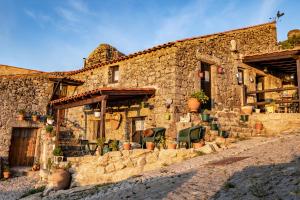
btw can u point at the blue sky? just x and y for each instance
(54, 35)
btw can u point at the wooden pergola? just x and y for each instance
(284, 61)
(100, 95)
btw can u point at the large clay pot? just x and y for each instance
(59, 179)
(150, 145)
(193, 104)
(198, 145)
(258, 126)
(172, 146)
(6, 174)
(127, 146)
(247, 110)
(20, 117)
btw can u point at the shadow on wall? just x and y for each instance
(281, 181)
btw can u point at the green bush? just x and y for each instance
(200, 96)
(49, 128)
(290, 43)
(57, 151)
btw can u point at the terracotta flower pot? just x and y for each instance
(20, 117)
(247, 110)
(172, 146)
(258, 126)
(220, 70)
(193, 105)
(150, 145)
(198, 145)
(34, 118)
(6, 174)
(126, 146)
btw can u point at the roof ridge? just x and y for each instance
(165, 45)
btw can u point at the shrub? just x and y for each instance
(200, 96)
(49, 128)
(57, 151)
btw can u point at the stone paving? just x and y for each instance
(260, 168)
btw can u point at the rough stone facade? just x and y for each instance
(31, 93)
(172, 70)
(11, 70)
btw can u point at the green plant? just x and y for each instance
(22, 112)
(114, 145)
(200, 96)
(50, 117)
(6, 168)
(57, 151)
(290, 43)
(49, 128)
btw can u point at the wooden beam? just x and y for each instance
(74, 103)
(102, 118)
(276, 102)
(271, 90)
(298, 79)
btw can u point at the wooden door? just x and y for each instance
(22, 147)
(206, 84)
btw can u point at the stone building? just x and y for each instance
(150, 88)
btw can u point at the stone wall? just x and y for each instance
(120, 165)
(216, 50)
(172, 71)
(27, 92)
(11, 70)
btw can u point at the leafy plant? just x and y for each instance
(49, 128)
(100, 142)
(200, 96)
(22, 112)
(114, 145)
(6, 168)
(50, 117)
(290, 43)
(57, 151)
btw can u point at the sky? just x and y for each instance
(55, 35)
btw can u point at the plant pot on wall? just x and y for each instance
(194, 104)
(150, 145)
(126, 146)
(172, 146)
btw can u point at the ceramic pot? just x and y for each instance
(220, 70)
(172, 146)
(6, 175)
(257, 110)
(193, 105)
(150, 145)
(258, 126)
(198, 145)
(20, 117)
(205, 117)
(247, 110)
(127, 146)
(34, 118)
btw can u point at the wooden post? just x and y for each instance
(102, 118)
(298, 79)
(57, 127)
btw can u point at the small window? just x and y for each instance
(114, 74)
(240, 77)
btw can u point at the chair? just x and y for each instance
(156, 137)
(188, 135)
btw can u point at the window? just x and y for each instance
(240, 77)
(114, 74)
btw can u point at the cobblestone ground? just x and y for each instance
(260, 168)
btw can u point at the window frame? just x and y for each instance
(113, 70)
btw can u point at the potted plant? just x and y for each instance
(100, 142)
(34, 116)
(114, 145)
(126, 145)
(257, 110)
(244, 118)
(205, 116)
(58, 155)
(21, 114)
(172, 145)
(150, 145)
(6, 171)
(50, 119)
(97, 113)
(198, 145)
(196, 99)
(258, 126)
(49, 130)
(106, 149)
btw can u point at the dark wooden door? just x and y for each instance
(206, 84)
(22, 147)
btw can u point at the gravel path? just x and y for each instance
(14, 188)
(260, 168)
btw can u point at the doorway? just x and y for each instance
(22, 148)
(206, 84)
(260, 85)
